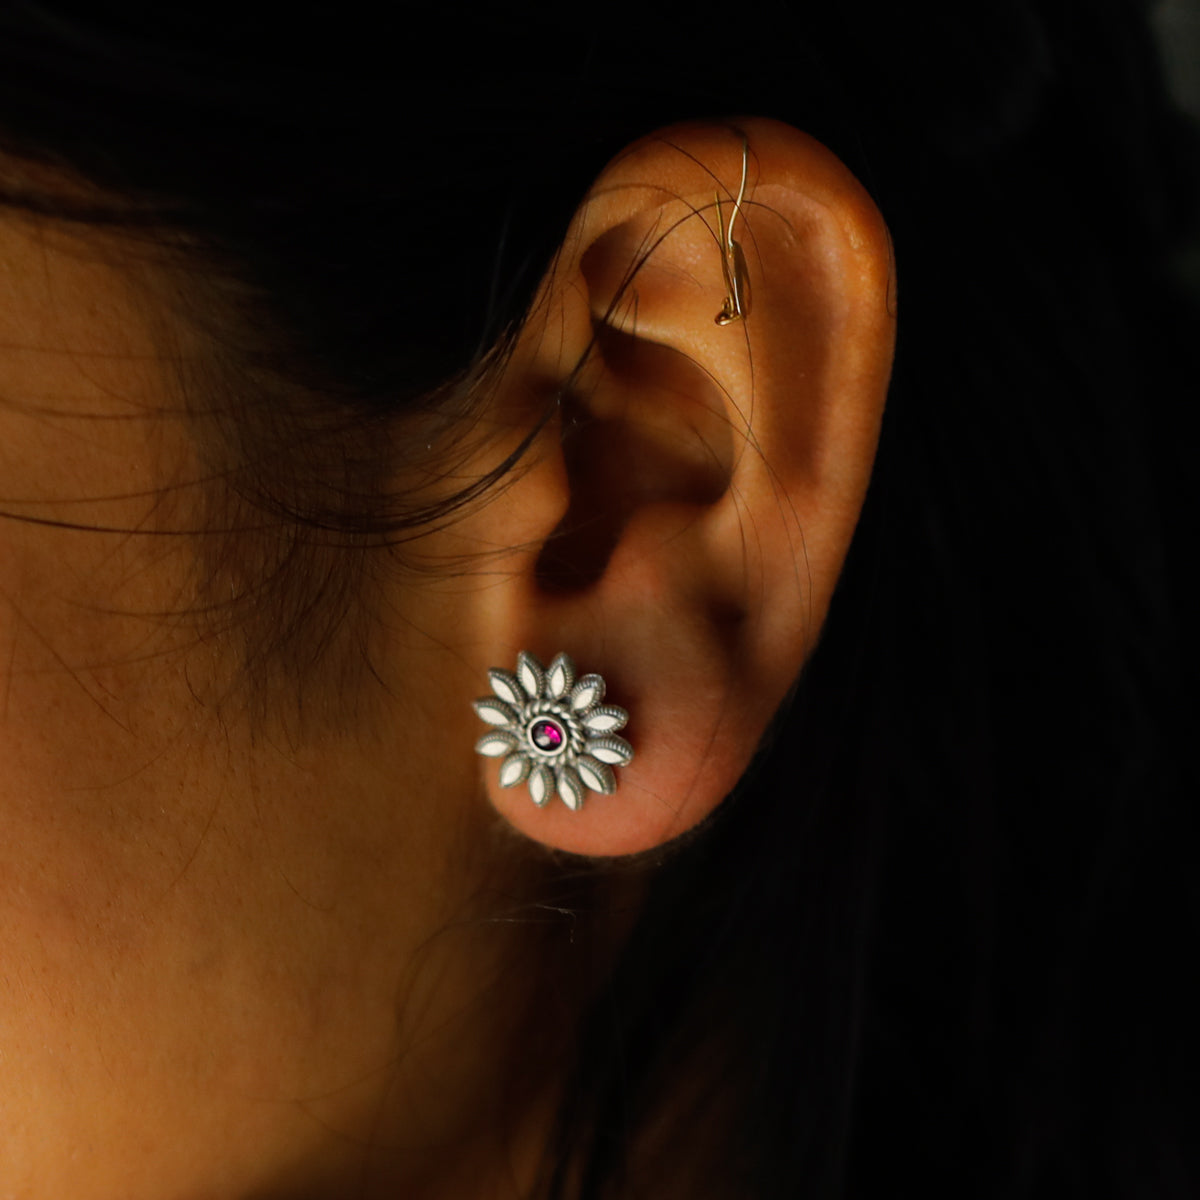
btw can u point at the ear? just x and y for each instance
(682, 524)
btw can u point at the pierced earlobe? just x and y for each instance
(553, 731)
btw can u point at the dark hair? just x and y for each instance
(955, 956)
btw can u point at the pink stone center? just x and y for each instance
(547, 735)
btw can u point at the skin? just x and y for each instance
(231, 962)
(241, 960)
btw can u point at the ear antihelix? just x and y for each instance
(552, 731)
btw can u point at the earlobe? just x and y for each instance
(719, 323)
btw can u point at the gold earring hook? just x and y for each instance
(733, 261)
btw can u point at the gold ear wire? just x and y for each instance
(733, 261)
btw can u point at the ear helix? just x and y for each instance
(553, 731)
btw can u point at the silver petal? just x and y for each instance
(495, 712)
(588, 691)
(505, 685)
(531, 673)
(613, 750)
(560, 676)
(541, 784)
(608, 718)
(570, 788)
(514, 769)
(596, 775)
(496, 743)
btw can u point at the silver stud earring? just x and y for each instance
(553, 731)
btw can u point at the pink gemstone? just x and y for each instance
(546, 735)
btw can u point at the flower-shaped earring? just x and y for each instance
(553, 730)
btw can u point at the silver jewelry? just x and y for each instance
(733, 260)
(553, 731)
